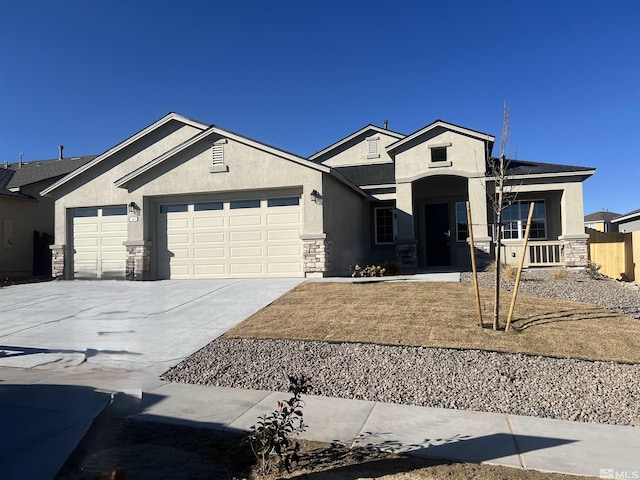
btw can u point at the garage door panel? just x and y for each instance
(203, 238)
(209, 270)
(245, 220)
(212, 222)
(284, 268)
(283, 219)
(180, 253)
(283, 250)
(203, 253)
(178, 239)
(244, 252)
(249, 236)
(86, 242)
(273, 235)
(177, 223)
(84, 227)
(114, 227)
(113, 242)
(246, 269)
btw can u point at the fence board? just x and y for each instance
(618, 254)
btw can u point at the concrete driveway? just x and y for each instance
(83, 326)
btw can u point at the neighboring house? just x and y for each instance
(601, 221)
(629, 222)
(26, 218)
(183, 199)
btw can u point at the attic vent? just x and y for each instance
(372, 147)
(217, 157)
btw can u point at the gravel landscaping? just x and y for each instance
(568, 389)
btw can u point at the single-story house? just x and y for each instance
(184, 199)
(628, 222)
(26, 218)
(601, 221)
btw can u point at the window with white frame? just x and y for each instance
(514, 220)
(462, 223)
(372, 147)
(383, 220)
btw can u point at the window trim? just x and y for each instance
(466, 222)
(375, 225)
(521, 222)
(439, 163)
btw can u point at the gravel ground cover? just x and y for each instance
(568, 389)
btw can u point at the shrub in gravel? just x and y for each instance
(270, 438)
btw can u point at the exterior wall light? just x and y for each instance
(134, 208)
(316, 197)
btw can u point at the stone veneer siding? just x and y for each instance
(138, 260)
(316, 252)
(482, 250)
(576, 252)
(57, 261)
(407, 254)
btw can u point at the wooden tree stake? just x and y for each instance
(473, 266)
(524, 252)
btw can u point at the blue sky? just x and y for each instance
(301, 75)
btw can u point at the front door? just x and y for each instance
(438, 235)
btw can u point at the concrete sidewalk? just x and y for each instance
(510, 440)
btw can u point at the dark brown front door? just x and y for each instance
(438, 235)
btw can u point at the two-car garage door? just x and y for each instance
(257, 237)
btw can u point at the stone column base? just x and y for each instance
(407, 254)
(482, 250)
(58, 253)
(316, 254)
(138, 260)
(576, 250)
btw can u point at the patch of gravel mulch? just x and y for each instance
(567, 389)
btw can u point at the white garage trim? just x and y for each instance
(244, 237)
(98, 237)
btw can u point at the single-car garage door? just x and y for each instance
(98, 236)
(239, 238)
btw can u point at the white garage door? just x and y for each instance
(238, 238)
(98, 236)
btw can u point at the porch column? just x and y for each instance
(480, 220)
(406, 243)
(138, 265)
(57, 261)
(576, 251)
(316, 253)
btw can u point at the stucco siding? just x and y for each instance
(465, 156)
(356, 151)
(347, 225)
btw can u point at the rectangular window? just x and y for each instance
(283, 202)
(244, 204)
(383, 225)
(112, 211)
(205, 206)
(183, 207)
(85, 212)
(439, 154)
(514, 220)
(462, 223)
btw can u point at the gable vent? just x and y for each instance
(217, 152)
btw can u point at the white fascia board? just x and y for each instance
(624, 218)
(167, 118)
(583, 173)
(373, 187)
(122, 182)
(354, 135)
(440, 123)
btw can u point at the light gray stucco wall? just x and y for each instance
(346, 221)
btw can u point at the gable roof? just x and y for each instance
(154, 126)
(627, 216)
(443, 124)
(355, 134)
(122, 182)
(367, 175)
(5, 177)
(32, 172)
(601, 216)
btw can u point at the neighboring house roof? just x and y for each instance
(355, 134)
(600, 217)
(443, 124)
(635, 214)
(32, 172)
(5, 177)
(523, 167)
(166, 119)
(365, 175)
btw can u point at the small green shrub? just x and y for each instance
(270, 437)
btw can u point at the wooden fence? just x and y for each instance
(618, 254)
